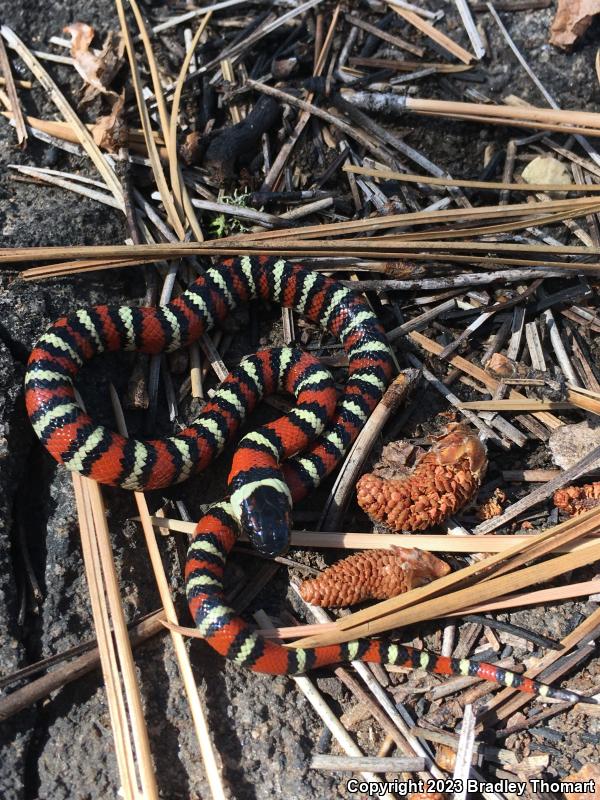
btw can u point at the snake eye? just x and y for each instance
(265, 518)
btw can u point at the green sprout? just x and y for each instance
(223, 225)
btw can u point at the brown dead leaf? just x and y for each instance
(97, 70)
(110, 132)
(573, 18)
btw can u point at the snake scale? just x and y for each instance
(274, 466)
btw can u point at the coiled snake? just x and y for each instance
(308, 443)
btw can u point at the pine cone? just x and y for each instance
(443, 481)
(574, 500)
(373, 575)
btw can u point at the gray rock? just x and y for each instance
(570, 443)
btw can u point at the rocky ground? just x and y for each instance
(263, 728)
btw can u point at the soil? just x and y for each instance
(264, 730)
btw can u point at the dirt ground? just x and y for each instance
(263, 728)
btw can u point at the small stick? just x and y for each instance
(196, 371)
(534, 346)
(516, 337)
(486, 431)
(15, 105)
(386, 746)
(422, 12)
(513, 5)
(437, 36)
(371, 763)
(309, 208)
(480, 320)
(531, 475)
(471, 29)
(173, 21)
(213, 356)
(586, 464)
(559, 349)
(514, 630)
(464, 752)
(19, 84)
(395, 41)
(584, 359)
(409, 66)
(468, 184)
(72, 186)
(261, 217)
(502, 756)
(367, 541)
(497, 341)
(448, 638)
(504, 406)
(422, 320)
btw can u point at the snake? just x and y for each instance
(274, 466)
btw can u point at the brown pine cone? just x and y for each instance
(372, 575)
(574, 500)
(443, 481)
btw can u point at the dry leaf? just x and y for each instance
(110, 132)
(546, 169)
(97, 70)
(573, 18)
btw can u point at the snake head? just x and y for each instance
(265, 518)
